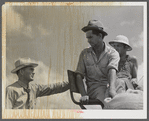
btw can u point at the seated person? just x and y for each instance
(98, 64)
(127, 69)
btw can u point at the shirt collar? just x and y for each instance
(105, 49)
(22, 84)
(128, 58)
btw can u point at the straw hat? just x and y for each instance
(21, 63)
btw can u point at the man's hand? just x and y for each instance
(134, 82)
(139, 88)
(112, 93)
(84, 99)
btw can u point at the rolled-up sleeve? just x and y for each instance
(45, 90)
(81, 66)
(113, 60)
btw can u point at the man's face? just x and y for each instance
(28, 73)
(93, 39)
(120, 48)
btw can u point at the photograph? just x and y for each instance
(74, 60)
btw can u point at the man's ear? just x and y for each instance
(21, 71)
(100, 35)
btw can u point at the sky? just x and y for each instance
(52, 37)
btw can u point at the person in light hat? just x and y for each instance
(98, 64)
(22, 94)
(127, 70)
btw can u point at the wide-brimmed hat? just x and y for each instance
(121, 39)
(23, 62)
(94, 25)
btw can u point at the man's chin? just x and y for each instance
(31, 80)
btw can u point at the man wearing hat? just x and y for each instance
(98, 64)
(21, 94)
(127, 70)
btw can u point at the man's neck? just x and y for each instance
(24, 81)
(123, 57)
(98, 49)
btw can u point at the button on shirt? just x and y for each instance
(96, 69)
(16, 96)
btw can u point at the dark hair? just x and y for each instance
(96, 32)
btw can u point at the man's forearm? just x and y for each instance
(80, 85)
(45, 90)
(112, 78)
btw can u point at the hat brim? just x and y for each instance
(86, 28)
(23, 66)
(129, 48)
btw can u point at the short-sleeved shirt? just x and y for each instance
(16, 96)
(126, 69)
(125, 73)
(96, 70)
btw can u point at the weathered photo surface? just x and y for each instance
(50, 35)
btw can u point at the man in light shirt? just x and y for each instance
(127, 69)
(129, 93)
(98, 64)
(22, 94)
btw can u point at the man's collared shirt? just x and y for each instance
(96, 69)
(127, 68)
(16, 96)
